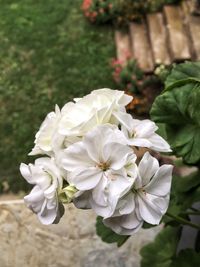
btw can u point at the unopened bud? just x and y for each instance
(67, 194)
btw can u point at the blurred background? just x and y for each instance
(53, 51)
(49, 55)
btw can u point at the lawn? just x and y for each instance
(48, 54)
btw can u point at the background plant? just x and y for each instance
(49, 54)
(177, 112)
(144, 88)
(120, 12)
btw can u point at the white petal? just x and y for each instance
(152, 208)
(159, 144)
(130, 221)
(87, 179)
(144, 128)
(124, 119)
(160, 184)
(26, 173)
(104, 211)
(140, 142)
(119, 184)
(117, 223)
(76, 155)
(117, 155)
(147, 168)
(35, 199)
(81, 200)
(95, 140)
(48, 217)
(126, 205)
(99, 193)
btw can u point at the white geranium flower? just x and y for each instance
(92, 110)
(48, 140)
(147, 200)
(101, 164)
(141, 133)
(47, 137)
(43, 199)
(125, 220)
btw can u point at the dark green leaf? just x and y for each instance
(178, 108)
(147, 225)
(160, 252)
(197, 242)
(183, 72)
(189, 182)
(185, 191)
(107, 235)
(187, 258)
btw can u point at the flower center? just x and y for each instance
(136, 191)
(103, 165)
(134, 134)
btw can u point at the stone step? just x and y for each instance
(123, 46)
(158, 37)
(141, 46)
(177, 35)
(71, 243)
(194, 27)
(172, 35)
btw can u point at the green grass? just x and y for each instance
(48, 54)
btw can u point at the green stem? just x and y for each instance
(191, 212)
(191, 208)
(183, 221)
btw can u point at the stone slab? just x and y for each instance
(71, 243)
(158, 37)
(123, 46)
(141, 46)
(194, 26)
(178, 41)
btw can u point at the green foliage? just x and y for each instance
(100, 11)
(49, 54)
(187, 258)
(185, 191)
(128, 77)
(178, 109)
(162, 250)
(120, 12)
(107, 235)
(177, 112)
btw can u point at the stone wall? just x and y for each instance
(24, 242)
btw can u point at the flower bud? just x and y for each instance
(67, 194)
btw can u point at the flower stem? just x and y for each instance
(192, 212)
(183, 221)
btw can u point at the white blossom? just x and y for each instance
(101, 164)
(90, 145)
(93, 109)
(142, 133)
(147, 200)
(47, 134)
(43, 199)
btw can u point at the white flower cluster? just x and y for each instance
(90, 161)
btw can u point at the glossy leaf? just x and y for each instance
(160, 252)
(107, 235)
(178, 110)
(187, 258)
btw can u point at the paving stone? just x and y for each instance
(141, 46)
(178, 41)
(71, 243)
(194, 28)
(158, 37)
(123, 45)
